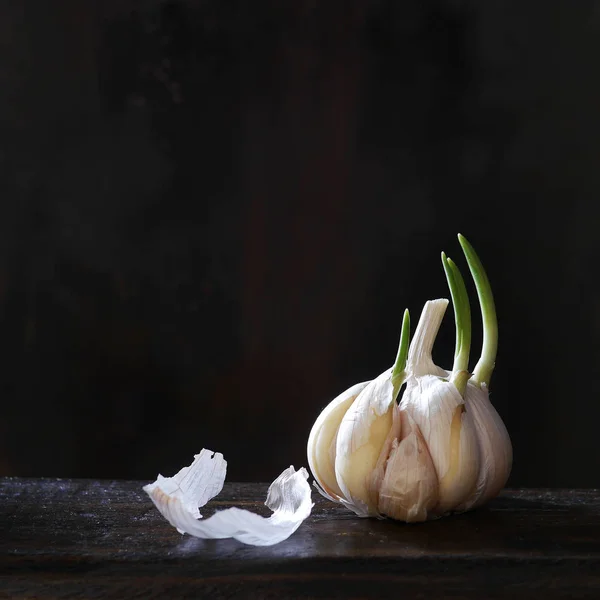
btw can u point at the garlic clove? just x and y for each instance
(361, 438)
(376, 478)
(366, 434)
(409, 489)
(178, 498)
(321, 447)
(494, 445)
(361, 429)
(438, 409)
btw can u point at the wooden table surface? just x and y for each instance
(104, 539)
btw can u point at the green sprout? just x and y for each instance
(485, 366)
(399, 369)
(462, 318)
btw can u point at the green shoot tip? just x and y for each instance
(484, 368)
(462, 314)
(399, 369)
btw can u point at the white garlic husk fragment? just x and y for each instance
(409, 489)
(178, 499)
(443, 448)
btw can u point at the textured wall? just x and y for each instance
(213, 213)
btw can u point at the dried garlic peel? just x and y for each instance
(179, 497)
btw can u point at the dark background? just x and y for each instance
(213, 214)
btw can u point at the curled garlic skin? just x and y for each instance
(178, 499)
(443, 448)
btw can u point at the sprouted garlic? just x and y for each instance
(440, 447)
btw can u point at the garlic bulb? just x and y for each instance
(443, 448)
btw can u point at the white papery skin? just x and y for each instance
(179, 497)
(409, 489)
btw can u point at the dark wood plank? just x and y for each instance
(104, 539)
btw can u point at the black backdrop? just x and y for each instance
(213, 213)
